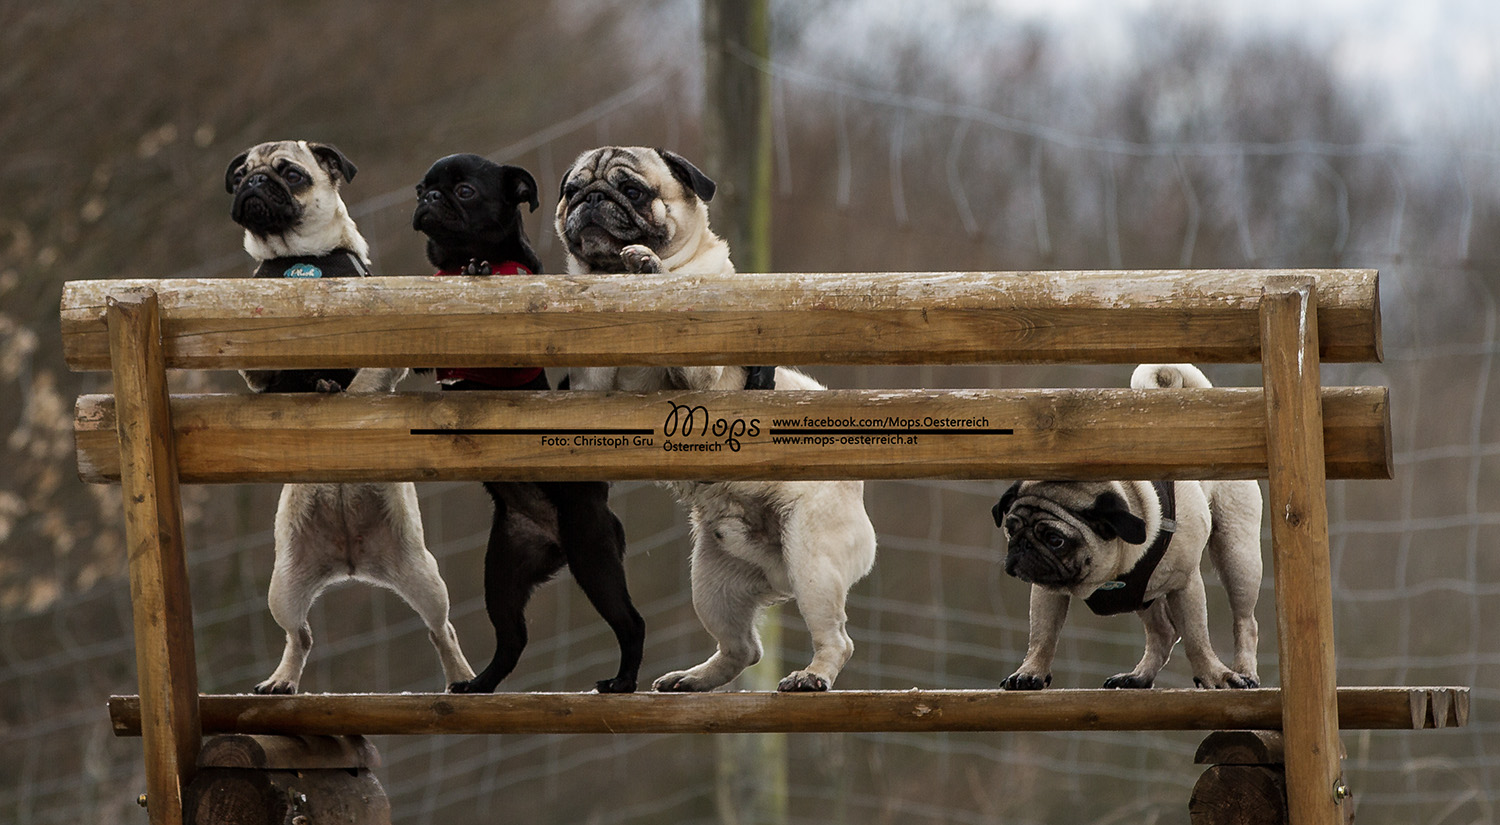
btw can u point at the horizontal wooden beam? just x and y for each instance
(839, 711)
(858, 434)
(568, 320)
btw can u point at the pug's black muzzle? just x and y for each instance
(1034, 564)
(596, 210)
(264, 206)
(435, 214)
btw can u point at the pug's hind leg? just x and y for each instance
(1189, 608)
(294, 587)
(824, 555)
(1161, 637)
(413, 574)
(729, 595)
(1234, 547)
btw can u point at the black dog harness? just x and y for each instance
(340, 263)
(1127, 594)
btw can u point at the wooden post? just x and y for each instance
(1298, 506)
(164, 654)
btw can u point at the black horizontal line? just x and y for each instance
(885, 431)
(528, 431)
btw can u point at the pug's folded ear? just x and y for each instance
(330, 158)
(519, 186)
(1003, 506)
(231, 179)
(1109, 517)
(689, 175)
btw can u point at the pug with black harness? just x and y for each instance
(1137, 546)
(286, 196)
(470, 210)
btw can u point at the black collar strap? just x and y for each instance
(1127, 594)
(340, 263)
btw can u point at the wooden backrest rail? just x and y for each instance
(869, 318)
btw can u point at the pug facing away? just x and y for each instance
(626, 210)
(286, 196)
(1137, 546)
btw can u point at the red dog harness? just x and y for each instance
(501, 378)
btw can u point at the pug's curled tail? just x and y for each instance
(1168, 376)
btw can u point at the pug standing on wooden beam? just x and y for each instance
(1137, 547)
(286, 196)
(627, 210)
(470, 210)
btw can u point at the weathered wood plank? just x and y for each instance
(560, 320)
(1297, 504)
(838, 711)
(163, 613)
(868, 434)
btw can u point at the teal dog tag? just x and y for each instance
(302, 271)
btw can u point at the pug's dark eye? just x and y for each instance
(465, 192)
(239, 176)
(570, 190)
(634, 194)
(1052, 539)
(294, 176)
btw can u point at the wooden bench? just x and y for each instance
(1292, 431)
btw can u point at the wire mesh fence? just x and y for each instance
(1417, 586)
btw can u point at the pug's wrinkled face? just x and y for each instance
(289, 190)
(469, 207)
(1059, 534)
(617, 196)
(1043, 548)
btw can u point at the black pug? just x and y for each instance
(469, 209)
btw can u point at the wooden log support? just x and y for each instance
(1298, 507)
(984, 434)
(276, 780)
(748, 318)
(840, 711)
(1246, 781)
(164, 650)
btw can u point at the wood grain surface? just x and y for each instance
(827, 318)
